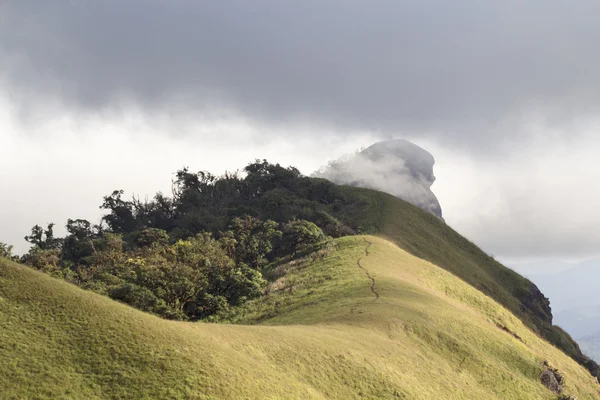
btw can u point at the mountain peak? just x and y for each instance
(397, 167)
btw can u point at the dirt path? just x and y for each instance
(373, 289)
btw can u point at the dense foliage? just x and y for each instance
(205, 248)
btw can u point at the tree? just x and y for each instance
(300, 235)
(175, 285)
(141, 298)
(121, 218)
(6, 252)
(220, 282)
(48, 261)
(202, 250)
(331, 226)
(262, 177)
(250, 240)
(158, 213)
(78, 244)
(43, 239)
(152, 238)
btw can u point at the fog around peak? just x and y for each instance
(397, 167)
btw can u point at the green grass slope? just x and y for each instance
(429, 238)
(363, 320)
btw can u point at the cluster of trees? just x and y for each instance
(202, 250)
(188, 278)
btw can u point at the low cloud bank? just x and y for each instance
(397, 167)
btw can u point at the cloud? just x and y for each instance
(99, 95)
(397, 167)
(463, 71)
(61, 167)
(540, 202)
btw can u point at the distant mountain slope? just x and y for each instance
(584, 324)
(573, 295)
(574, 287)
(365, 320)
(397, 166)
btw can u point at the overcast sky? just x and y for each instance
(100, 95)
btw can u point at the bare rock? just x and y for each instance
(549, 380)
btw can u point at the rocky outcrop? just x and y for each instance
(549, 380)
(552, 379)
(397, 167)
(535, 301)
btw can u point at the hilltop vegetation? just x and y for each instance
(204, 249)
(321, 332)
(213, 245)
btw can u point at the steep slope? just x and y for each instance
(426, 237)
(364, 319)
(430, 239)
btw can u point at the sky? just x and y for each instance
(97, 96)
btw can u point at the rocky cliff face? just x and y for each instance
(397, 167)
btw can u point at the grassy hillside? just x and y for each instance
(363, 320)
(427, 237)
(204, 204)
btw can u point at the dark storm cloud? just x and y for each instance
(504, 95)
(469, 67)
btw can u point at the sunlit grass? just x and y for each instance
(320, 333)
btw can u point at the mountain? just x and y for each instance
(574, 300)
(413, 310)
(572, 294)
(362, 319)
(397, 167)
(572, 287)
